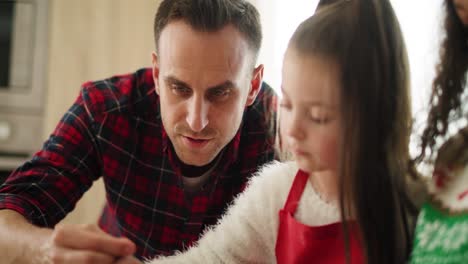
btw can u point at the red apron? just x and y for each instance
(299, 243)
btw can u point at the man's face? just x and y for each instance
(204, 80)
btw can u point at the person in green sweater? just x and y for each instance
(442, 226)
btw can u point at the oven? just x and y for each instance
(23, 69)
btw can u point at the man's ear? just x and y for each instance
(255, 84)
(154, 62)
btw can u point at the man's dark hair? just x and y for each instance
(211, 16)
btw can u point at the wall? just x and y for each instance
(91, 40)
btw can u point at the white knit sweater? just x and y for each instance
(247, 232)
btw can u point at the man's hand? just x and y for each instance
(128, 260)
(86, 244)
(21, 243)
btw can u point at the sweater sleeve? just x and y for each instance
(247, 232)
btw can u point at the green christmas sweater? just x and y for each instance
(441, 235)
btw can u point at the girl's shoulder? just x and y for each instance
(273, 180)
(276, 173)
(281, 167)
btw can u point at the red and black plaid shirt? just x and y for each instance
(114, 130)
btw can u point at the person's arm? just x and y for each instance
(247, 232)
(18, 237)
(22, 242)
(47, 187)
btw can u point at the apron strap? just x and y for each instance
(295, 193)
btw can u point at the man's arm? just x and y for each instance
(17, 238)
(22, 242)
(36, 196)
(48, 186)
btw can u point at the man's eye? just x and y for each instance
(219, 93)
(181, 90)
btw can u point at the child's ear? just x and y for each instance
(255, 84)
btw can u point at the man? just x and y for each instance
(174, 144)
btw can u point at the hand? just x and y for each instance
(128, 260)
(86, 244)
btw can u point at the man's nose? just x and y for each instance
(197, 114)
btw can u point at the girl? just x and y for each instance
(447, 208)
(345, 116)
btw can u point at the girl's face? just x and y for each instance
(461, 6)
(310, 117)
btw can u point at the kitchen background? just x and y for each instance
(94, 39)
(89, 40)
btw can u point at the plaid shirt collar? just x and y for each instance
(229, 153)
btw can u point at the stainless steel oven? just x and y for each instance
(23, 68)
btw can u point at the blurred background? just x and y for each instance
(48, 48)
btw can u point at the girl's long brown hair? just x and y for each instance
(364, 38)
(449, 83)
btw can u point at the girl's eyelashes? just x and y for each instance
(320, 120)
(319, 115)
(316, 114)
(284, 103)
(315, 111)
(285, 106)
